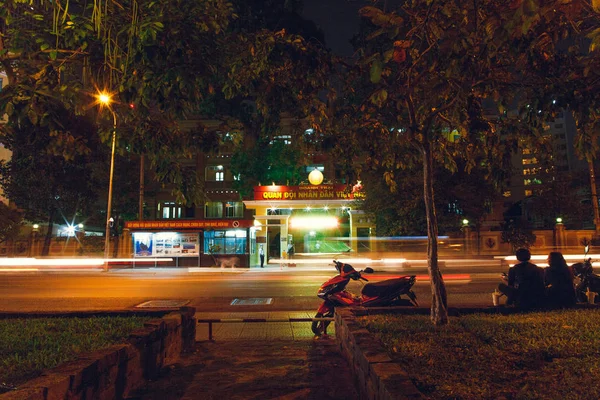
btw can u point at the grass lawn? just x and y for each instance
(545, 355)
(29, 346)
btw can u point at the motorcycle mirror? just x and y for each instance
(369, 270)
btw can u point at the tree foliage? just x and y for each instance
(10, 222)
(426, 69)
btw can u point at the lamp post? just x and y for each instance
(105, 99)
(467, 230)
(32, 239)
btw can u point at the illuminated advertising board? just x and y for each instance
(189, 224)
(308, 192)
(166, 244)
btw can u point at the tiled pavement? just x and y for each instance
(258, 330)
(272, 360)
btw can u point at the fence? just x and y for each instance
(211, 321)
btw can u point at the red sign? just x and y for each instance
(307, 192)
(190, 224)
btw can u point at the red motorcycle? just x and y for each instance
(386, 293)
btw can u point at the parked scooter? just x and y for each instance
(381, 294)
(588, 280)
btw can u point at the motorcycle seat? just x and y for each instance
(387, 286)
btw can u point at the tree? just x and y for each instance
(155, 75)
(11, 221)
(428, 67)
(402, 212)
(517, 234)
(563, 195)
(46, 186)
(563, 71)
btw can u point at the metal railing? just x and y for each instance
(211, 321)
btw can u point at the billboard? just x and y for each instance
(166, 244)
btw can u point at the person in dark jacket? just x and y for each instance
(558, 277)
(525, 288)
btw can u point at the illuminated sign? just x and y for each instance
(189, 224)
(314, 222)
(159, 244)
(314, 192)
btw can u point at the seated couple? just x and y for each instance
(530, 286)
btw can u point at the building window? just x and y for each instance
(234, 209)
(528, 192)
(213, 209)
(215, 173)
(225, 242)
(312, 167)
(285, 139)
(169, 210)
(527, 161)
(531, 171)
(506, 193)
(533, 181)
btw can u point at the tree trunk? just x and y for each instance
(115, 249)
(48, 237)
(439, 303)
(594, 199)
(141, 197)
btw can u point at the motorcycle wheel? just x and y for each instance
(320, 327)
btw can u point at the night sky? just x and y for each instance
(338, 19)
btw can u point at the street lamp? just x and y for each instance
(105, 99)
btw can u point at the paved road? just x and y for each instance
(207, 290)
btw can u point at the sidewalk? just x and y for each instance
(272, 360)
(276, 369)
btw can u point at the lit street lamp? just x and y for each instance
(105, 99)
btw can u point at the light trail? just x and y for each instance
(31, 264)
(539, 260)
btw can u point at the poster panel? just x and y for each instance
(143, 245)
(166, 244)
(190, 245)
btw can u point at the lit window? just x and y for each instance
(225, 242)
(170, 210)
(310, 168)
(234, 209)
(507, 193)
(528, 192)
(286, 139)
(527, 161)
(215, 173)
(526, 151)
(213, 209)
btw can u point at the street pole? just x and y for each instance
(110, 186)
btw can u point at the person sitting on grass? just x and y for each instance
(525, 288)
(558, 277)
